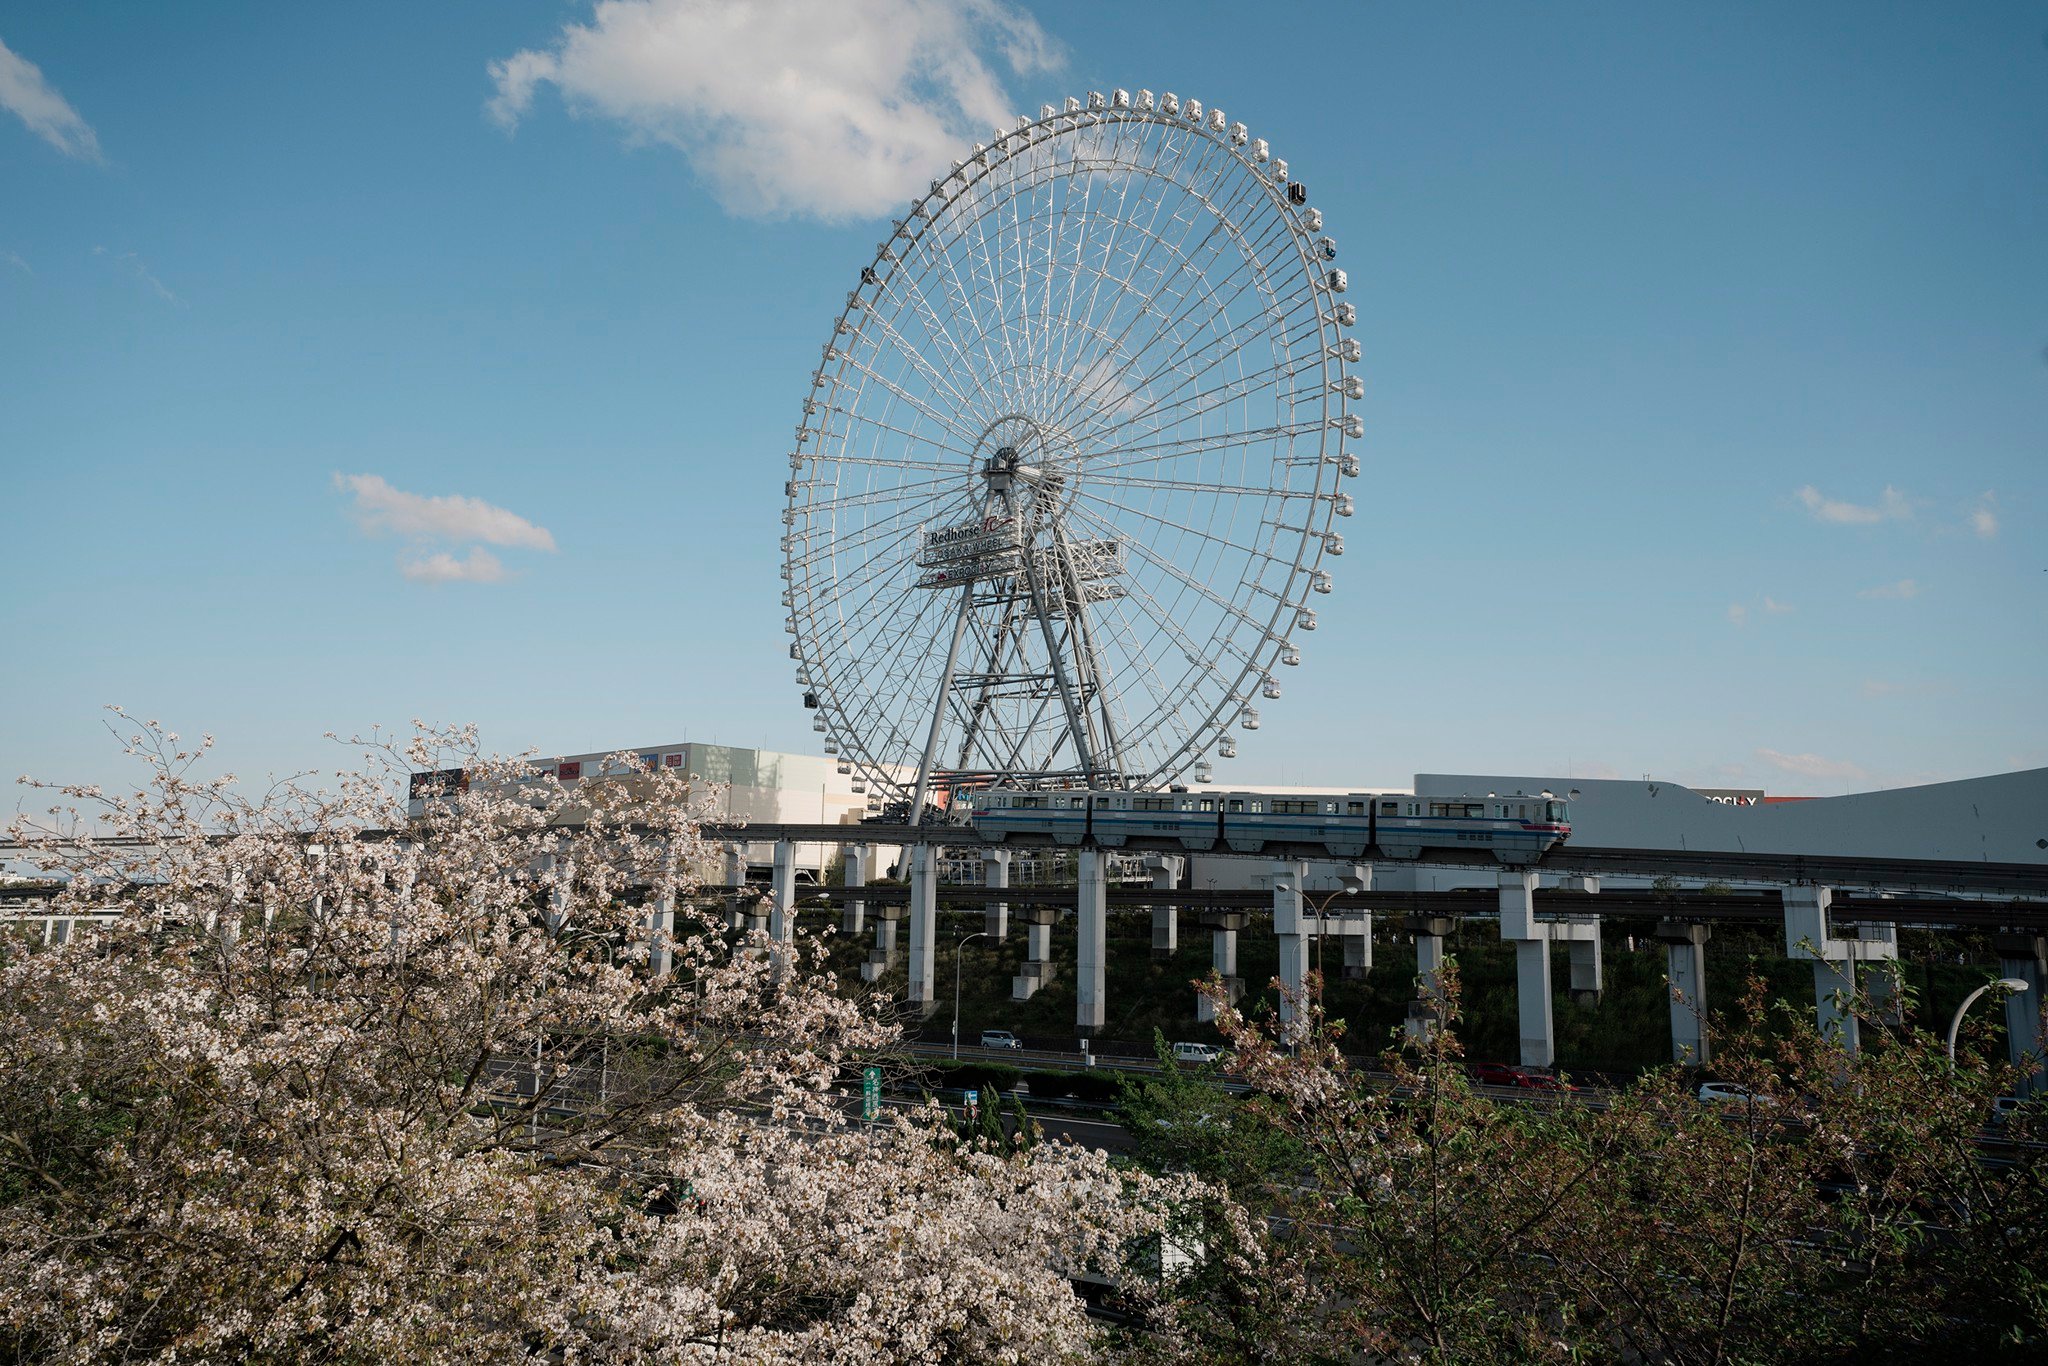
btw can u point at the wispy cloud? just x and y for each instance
(481, 566)
(26, 95)
(1814, 766)
(382, 509)
(432, 522)
(1984, 517)
(131, 264)
(1891, 505)
(1738, 612)
(13, 259)
(1904, 588)
(813, 108)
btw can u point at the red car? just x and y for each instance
(1500, 1074)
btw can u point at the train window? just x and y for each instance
(1077, 803)
(1208, 803)
(1258, 806)
(1357, 809)
(1031, 803)
(1237, 804)
(1388, 808)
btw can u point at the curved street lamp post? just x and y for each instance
(959, 945)
(2011, 985)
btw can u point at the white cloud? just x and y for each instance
(440, 567)
(1984, 517)
(25, 94)
(821, 108)
(1738, 612)
(13, 259)
(1813, 766)
(1904, 588)
(132, 264)
(381, 508)
(1891, 506)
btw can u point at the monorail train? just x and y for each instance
(1396, 825)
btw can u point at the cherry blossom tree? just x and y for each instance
(343, 1083)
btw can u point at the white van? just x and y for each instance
(1197, 1053)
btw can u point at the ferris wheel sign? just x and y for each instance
(1067, 473)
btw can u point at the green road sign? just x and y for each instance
(870, 1092)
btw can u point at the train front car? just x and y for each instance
(1516, 830)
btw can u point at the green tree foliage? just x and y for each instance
(1851, 1207)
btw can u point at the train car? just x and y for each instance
(1515, 830)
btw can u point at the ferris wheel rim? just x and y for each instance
(1255, 658)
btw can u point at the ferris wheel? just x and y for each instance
(1069, 468)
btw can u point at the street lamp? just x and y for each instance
(959, 945)
(2012, 985)
(1348, 884)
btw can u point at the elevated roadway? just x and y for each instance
(1952, 876)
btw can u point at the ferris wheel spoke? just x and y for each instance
(1153, 241)
(924, 409)
(1219, 542)
(1165, 565)
(1184, 259)
(939, 380)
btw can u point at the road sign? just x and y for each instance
(870, 1092)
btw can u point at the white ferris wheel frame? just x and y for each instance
(994, 469)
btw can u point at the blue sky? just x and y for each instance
(1706, 351)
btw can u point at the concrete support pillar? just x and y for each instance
(1532, 999)
(2025, 956)
(854, 918)
(995, 872)
(1166, 872)
(1037, 952)
(1685, 973)
(1809, 936)
(1358, 951)
(1532, 966)
(1429, 932)
(562, 872)
(734, 873)
(661, 919)
(1834, 987)
(1288, 929)
(57, 929)
(1585, 959)
(1223, 927)
(782, 908)
(1090, 977)
(924, 926)
(883, 956)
